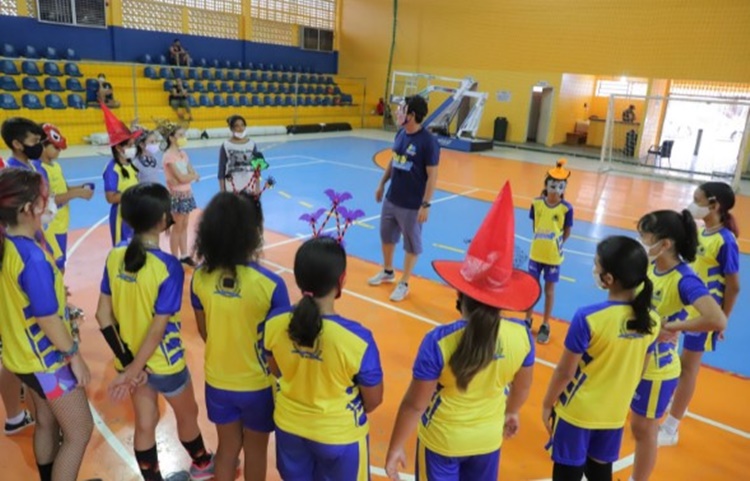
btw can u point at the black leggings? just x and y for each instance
(593, 470)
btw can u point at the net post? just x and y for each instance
(740, 153)
(607, 135)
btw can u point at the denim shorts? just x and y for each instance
(169, 385)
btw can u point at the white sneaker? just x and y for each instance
(667, 439)
(400, 292)
(382, 278)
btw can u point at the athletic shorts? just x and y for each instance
(396, 221)
(169, 385)
(572, 446)
(435, 467)
(652, 397)
(300, 459)
(700, 341)
(253, 408)
(551, 273)
(51, 385)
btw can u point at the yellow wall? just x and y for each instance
(575, 91)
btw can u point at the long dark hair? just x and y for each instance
(722, 194)
(118, 156)
(229, 232)
(478, 344)
(18, 187)
(143, 206)
(626, 260)
(678, 227)
(319, 266)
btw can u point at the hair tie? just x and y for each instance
(307, 294)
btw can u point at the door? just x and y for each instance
(545, 114)
(534, 110)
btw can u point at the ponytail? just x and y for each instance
(687, 245)
(642, 307)
(306, 322)
(731, 223)
(135, 255)
(478, 344)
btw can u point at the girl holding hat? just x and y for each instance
(552, 218)
(119, 174)
(459, 395)
(235, 157)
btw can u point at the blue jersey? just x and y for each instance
(412, 154)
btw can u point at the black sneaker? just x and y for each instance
(11, 429)
(543, 336)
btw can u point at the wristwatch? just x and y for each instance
(426, 205)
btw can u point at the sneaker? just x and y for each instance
(11, 429)
(178, 476)
(666, 438)
(543, 336)
(400, 292)
(381, 278)
(200, 473)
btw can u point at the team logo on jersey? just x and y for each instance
(314, 354)
(228, 287)
(555, 218)
(657, 295)
(499, 354)
(401, 161)
(701, 250)
(627, 330)
(126, 276)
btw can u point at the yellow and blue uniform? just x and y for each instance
(31, 287)
(550, 222)
(321, 425)
(718, 256)
(591, 412)
(56, 233)
(117, 178)
(238, 380)
(675, 291)
(156, 289)
(461, 432)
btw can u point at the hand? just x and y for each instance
(547, 419)
(196, 176)
(668, 335)
(720, 335)
(85, 193)
(379, 194)
(422, 215)
(80, 370)
(512, 425)
(67, 292)
(395, 459)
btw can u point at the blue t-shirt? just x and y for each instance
(412, 154)
(34, 165)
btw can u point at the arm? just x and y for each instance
(272, 365)
(566, 234)
(386, 176)
(564, 373)
(110, 184)
(519, 393)
(113, 197)
(370, 377)
(432, 178)
(731, 292)
(74, 193)
(711, 318)
(221, 177)
(568, 226)
(372, 397)
(200, 320)
(729, 261)
(153, 338)
(181, 178)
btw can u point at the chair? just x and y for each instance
(9, 51)
(191, 101)
(261, 88)
(663, 152)
(212, 87)
(242, 76)
(8, 84)
(74, 85)
(168, 85)
(201, 63)
(250, 66)
(244, 101)
(51, 54)
(290, 101)
(150, 72)
(31, 102)
(268, 100)
(31, 84)
(205, 74)
(71, 54)
(7, 102)
(231, 101)
(146, 58)
(75, 101)
(199, 87)
(8, 67)
(238, 87)
(52, 84)
(231, 76)
(192, 74)
(224, 87)
(275, 77)
(52, 69)
(219, 101)
(326, 102)
(250, 88)
(72, 70)
(92, 90)
(54, 102)
(256, 101)
(178, 73)
(265, 77)
(218, 74)
(205, 101)
(278, 101)
(272, 89)
(165, 73)
(29, 67)
(30, 52)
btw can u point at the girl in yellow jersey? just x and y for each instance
(329, 375)
(37, 342)
(464, 370)
(717, 264)
(141, 296)
(671, 241)
(606, 351)
(232, 295)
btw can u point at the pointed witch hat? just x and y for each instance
(116, 128)
(487, 273)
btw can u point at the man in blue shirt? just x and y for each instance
(412, 173)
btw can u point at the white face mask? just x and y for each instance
(698, 211)
(239, 135)
(651, 257)
(598, 279)
(129, 152)
(49, 212)
(152, 149)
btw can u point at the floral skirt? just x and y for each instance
(183, 202)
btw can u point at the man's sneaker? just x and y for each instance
(200, 473)
(543, 336)
(178, 476)
(400, 292)
(666, 438)
(382, 277)
(11, 429)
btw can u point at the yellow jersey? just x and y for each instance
(610, 368)
(718, 256)
(58, 186)
(137, 297)
(471, 422)
(550, 222)
(31, 287)
(318, 394)
(235, 309)
(118, 178)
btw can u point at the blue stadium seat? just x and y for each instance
(224, 87)
(336, 90)
(301, 89)
(307, 69)
(283, 89)
(75, 101)
(168, 84)
(178, 73)
(238, 65)
(242, 76)
(303, 79)
(212, 87)
(199, 87)
(346, 99)
(320, 90)
(286, 78)
(265, 77)
(201, 63)
(165, 72)
(327, 101)
(8, 67)
(231, 101)
(255, 101)
(250, 66)
(219, 101)
(278, 100)
(254, 77)
(8, 84)
(53, 84)
(205, 74)
(92, 89)
(71, 54)
(289, 100)
(51, 54)
(260, 66)
(227, 64)
(250, 88)
(230, 76)
(271, 67)
(214, 63)
(52, 69)
(268, 100)
(54, 102)
(272, 89)
(146, 58)
(192, 74)
(74, 85)
(162, 59)
(7, 102)
(301, 100)
(244, 101)
(31, 84)
(9, 51)
(72, 70)
(31, 102)
(218, 74)
(238, 87)
(262, 88)
(191, 101)
(205, 101)
(30, 52)
(150, 72)
(275, 77)
(29, 67)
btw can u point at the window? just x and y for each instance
(8, 7)
(308, 13)
(605, 88)
(89, 13)
(222, 6)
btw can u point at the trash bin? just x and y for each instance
(501, 129)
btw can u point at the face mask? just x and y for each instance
(401, 115)
(182, 142)
(152, 149)
(556, 187)
(129, 152)
(598, 279)
(239, 135)
(651, 257)
(49, 212)
(698, 211)
(33, 152)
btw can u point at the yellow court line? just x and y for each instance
(305, 204)
(284, 194)
(566, 278)
(449, 248)
(585, 238)
(366, 226)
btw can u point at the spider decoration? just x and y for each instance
(258, 165)
(343, 216)
(520, 257)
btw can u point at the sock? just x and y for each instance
(197, 451)
(45, 471)
(148, 463)
(671, 424)
(388, 271)
(16, 419)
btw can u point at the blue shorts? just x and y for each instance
(395, 221)
(652, 397)
(253, 408)
(169, 385)
(572, 446)
(51, 385)
(551, 273)
(299, 459)
(700, 341)
(435, 467)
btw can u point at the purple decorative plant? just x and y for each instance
(344, 216)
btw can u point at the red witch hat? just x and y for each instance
(116, 128)
(487, 273)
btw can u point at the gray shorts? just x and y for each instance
(395, 221)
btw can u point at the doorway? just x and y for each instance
(540, 113)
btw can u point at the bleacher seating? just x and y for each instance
(31, 102)
(29, 67)
(53, 84)
(51, 54)
(8, 84)
(9, 50)
(75, 101)
(7, 67)
(29, 52)
(31, 84)
(74, 85)
(53, 101)
(71, 70)
(8, 102)
(52, 69)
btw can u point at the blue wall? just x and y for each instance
(128, 45)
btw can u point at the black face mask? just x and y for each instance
(33, 152)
